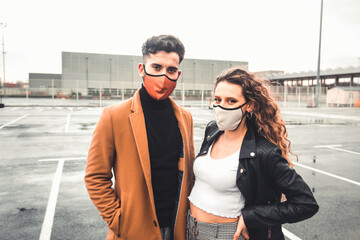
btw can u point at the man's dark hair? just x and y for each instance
(167, 43)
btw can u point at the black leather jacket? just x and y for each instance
(262, 176)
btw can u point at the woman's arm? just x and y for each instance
(300, 203)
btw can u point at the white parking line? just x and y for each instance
(322, 115)
(197, 138)
(290, 235)
(61, 159)
(14, 121)
(67, 123)
(335, 147)
(50, 209)
(328, 174)
(201, 119)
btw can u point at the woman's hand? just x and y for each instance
(241, 230)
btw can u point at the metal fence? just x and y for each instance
(285, 96)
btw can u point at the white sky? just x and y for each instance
(269, 34)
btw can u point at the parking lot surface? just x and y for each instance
(43, 153)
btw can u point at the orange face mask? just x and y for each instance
(159, 87)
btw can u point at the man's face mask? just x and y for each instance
(159, 87)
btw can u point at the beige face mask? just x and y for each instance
(228, 118)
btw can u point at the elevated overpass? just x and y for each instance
(329, 78)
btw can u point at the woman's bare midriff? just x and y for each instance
(206, 217)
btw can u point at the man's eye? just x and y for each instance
(172, 70)
(157, 68)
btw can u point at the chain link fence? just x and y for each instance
(285, 96)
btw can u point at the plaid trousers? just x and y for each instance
(210, 231)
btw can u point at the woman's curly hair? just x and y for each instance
(266, 114)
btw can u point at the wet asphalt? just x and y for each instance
(30, 149)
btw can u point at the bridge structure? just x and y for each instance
(329, 78)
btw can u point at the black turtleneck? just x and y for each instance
(164, 141)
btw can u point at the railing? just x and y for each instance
(285, 96)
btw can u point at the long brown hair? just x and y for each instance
(266, 114)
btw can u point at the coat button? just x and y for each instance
(155, 223)
(208, 137)
(241, 170)
(252, 154)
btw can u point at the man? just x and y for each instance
(147, 141)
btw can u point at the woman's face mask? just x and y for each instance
(159, 87)
(228, 118)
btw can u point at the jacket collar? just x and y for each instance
(248, 145)
(136, 105)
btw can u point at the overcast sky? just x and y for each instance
(269, 34)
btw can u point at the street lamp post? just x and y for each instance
(3, 25)
(318, 66)
(87, 75)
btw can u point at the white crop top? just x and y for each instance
(215, 189)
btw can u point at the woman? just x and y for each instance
(243, 167)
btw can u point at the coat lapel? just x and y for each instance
(137, 122)
(180, 117)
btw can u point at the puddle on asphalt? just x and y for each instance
(22, 126)
(86, 126)
(22, 209)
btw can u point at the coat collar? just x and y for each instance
(136, 105)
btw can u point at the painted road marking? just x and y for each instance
(67, 123)
(323, 115)
(335, 147)
(50, 209)
(201, 119)
(290, 235)
(328, 174)
(197, 138)
(61, 159)
(14, 121)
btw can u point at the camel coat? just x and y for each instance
(119, 147)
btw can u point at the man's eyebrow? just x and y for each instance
(155, 64)
(173, 68)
